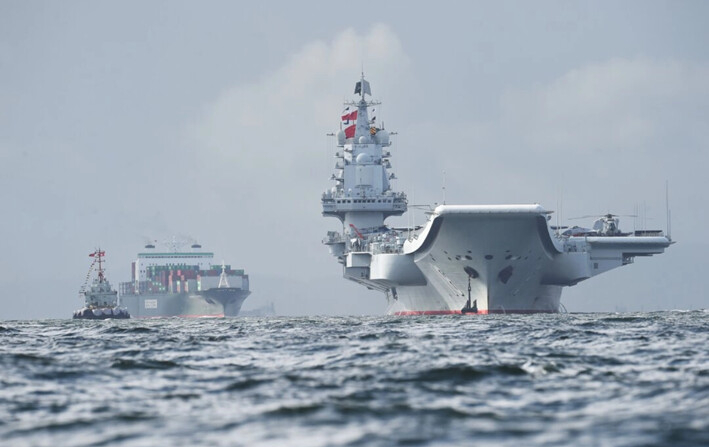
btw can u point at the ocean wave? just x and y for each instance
(575, 379)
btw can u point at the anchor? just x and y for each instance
(470, 308)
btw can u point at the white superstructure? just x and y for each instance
(466, 258)
(202, 260)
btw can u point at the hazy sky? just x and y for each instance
(126, 121)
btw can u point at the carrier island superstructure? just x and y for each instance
(466, 258)
(179, 282)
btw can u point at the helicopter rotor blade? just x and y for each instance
(598, 216)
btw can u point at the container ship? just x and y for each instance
(466, 258)
(182, 283)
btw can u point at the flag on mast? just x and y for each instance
(348, 116)
(349, 122)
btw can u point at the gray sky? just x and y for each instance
(127, 121)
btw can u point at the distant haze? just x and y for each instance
(123, 122)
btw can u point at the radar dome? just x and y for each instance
(341, 138)
(364, 159)
(364, 139)
(383, 137)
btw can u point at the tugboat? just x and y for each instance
(100, 300)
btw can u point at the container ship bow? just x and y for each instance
(466, 258)
(183, 283)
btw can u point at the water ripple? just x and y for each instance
(575, 379)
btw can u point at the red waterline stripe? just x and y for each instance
(480, 312)
(404, 313)
(181, 316)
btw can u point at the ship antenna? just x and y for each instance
(100, 267)
(667, 209)
(557, 213)
(413, 213)
(444, 187)
(361, 89)
(635, 218)
(561, 206)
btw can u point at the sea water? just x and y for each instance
(639, 379)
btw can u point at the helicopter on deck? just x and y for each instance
(604, 225)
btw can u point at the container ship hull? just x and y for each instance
(218, 302)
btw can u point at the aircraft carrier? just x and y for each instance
(466, 258)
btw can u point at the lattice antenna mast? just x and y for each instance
(99, 255)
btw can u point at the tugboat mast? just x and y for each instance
(98, 254)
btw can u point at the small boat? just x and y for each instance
(100, 300)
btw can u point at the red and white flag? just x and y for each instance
(349, 122)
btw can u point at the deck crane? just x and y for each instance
(359, 235)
